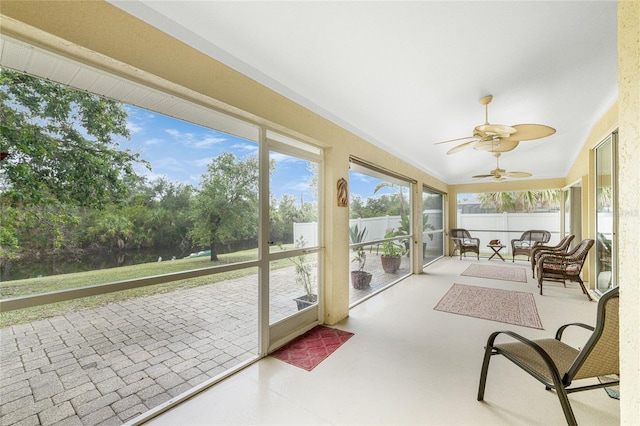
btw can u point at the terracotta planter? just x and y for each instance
(390, 264)
(360, 279)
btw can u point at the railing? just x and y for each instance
(505, 236)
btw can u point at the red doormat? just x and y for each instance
(311, 348)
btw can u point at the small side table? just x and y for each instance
(496, 250)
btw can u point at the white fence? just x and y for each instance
(377, 227)
(507, 226)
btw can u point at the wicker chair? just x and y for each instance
(537, 251)
(557, 364)
(464, 242)
(527, 241)
(564, 266)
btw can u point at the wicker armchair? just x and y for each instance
(557, 364)
(537, 251)
(464, 242)
(527, 241)
(564, 267)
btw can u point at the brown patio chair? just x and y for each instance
(603, 247)
(527, 241)
(536, 252)
(556, 364)
(564, 267)
(464, 242)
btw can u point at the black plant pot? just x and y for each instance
(306, 301)
(390, 264)
(360, 279)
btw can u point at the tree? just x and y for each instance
(399, 196)
(61, 144)
(60, 151)
(226, 208)
(519, 201)
(282, 217)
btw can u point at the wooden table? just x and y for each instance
(496, 250)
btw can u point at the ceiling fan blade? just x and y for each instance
(454, 140)
(495, 129)
(518, 174)
(496, 145)
(461, 147)
(529, 132)
(482, 176)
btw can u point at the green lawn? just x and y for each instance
(30, 286)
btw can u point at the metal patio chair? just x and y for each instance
(556, 364)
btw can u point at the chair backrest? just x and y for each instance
(565, 242)
(459, 233)
(539, 235)
(601, 354)
(604, 244)
(579, 252)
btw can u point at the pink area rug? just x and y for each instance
(504, 273)
(511, 307)
(311, 348)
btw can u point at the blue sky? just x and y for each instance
(181, 151)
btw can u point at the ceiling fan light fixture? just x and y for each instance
(498, 137)
(495, 145)
(495, 129)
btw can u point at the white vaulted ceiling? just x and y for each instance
(404, 75)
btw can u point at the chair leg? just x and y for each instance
(540, 283)
(584, 290)
(483, 373)
(533, 270)
(566, 407)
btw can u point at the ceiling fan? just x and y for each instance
(499, 174)
(498, 137)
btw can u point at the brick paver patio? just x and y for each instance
(109, 364)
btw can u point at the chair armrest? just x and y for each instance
(553, 257)
(579, 324)
(537, 252)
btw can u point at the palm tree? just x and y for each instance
(399, 195)
(519, 201)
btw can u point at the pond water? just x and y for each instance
(58, 265)
(53, 265)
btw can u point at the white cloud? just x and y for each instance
(245, 147)
(202, 162)
(153, 141)
(134, 128)
(175, 133)
(198, 141)
(169, 163)
(208, 141)
(299, 187)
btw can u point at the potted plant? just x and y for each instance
(303, 270)
(360, 279)
(403, 229)
(392, 252)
